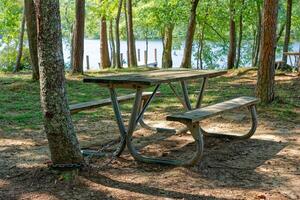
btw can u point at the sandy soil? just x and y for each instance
(267, 166)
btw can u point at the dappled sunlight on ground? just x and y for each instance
(263, 167)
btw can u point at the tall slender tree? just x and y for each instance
(257, 39)
(132, 60)
(78, 37)
(63, 143)
(241, 27)
(187, 54)
(20, 45)
(104, 53)
(30, 16)
(289, 4)
(167, 46)
(266, 71)
(112, 43)
(232, 36)
(117, 34)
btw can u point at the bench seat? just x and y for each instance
(197, 115)
(75, 108)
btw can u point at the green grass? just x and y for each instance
(20, 101)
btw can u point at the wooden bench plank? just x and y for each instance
(209, 111)
(74, 108)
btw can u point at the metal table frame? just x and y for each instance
(138, 109)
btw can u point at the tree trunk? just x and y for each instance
(104, 53)
(127, 33)
(266, 72)
(63, 143)
(117, 34)
(167, 46)
(232, 38)
(20, 46)
(147, 50)
(131, 42)
(287, 30)
(30, 16)
(187, 54)
(112, 42)
(258, 35)
(78, 37)
(238, 58)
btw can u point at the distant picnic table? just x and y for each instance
(296, 61)
(190, 118)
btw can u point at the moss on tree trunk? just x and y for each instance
(63, 143)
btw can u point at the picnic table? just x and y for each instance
(191, 118)
(296, 61)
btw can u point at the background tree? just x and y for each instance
(30, 16)
(132, 61)
(117, 34)
(289, 4)
(187, 54)
(63, 143)
(78, 37)
(20, 46)
(266, 71)
(241, 27)
(104, 53)
(232, 36)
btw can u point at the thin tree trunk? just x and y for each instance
(232, 38)
(147, 49)
(266, 71)
(30, 16)
(131, 41)
(187, 54)
(117, 33)
(167, 46)
(127, 33)
(287, 31)
(112, 41)
(201, 40)
(63, 143)
(258, 35)
(238, 58)
(20, 46)
(280, 32)
(104, 53)
(78, 38)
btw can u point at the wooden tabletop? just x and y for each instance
(292, 53)
(150, 78)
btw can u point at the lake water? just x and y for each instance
(92, 49)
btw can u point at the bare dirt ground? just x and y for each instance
(267, 166)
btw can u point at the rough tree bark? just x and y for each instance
(117, 34)
(132, 61)
(239, 46)
(20, 45)
(187, 54)
(232, 38)
(266, 71)
(287, 31)
(63, 143)
(167, 46)
(30, 16)
(78, 38)
(104, 53)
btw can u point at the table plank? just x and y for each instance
(153, 77)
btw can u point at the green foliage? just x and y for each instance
(8, 58)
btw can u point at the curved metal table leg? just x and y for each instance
(195, 129)
(252, 130)
(122, 129)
